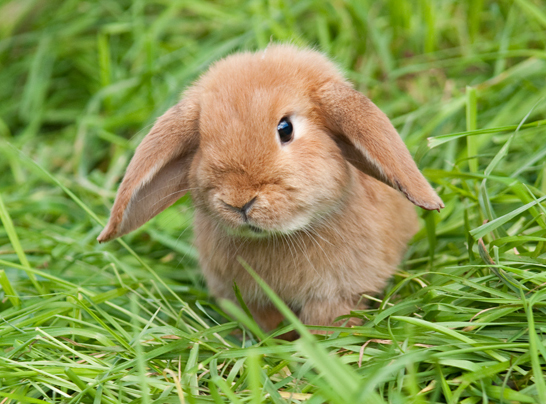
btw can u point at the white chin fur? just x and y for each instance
(298, 223)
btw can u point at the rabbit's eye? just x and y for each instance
(285, 130)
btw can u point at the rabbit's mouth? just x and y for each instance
(255, 229)
(248, 230)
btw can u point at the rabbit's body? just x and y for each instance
(279, 153)
(322, 271)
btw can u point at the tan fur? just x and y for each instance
(329, 231)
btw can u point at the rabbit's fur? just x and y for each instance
(326, 220)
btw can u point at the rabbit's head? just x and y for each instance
(263, 141)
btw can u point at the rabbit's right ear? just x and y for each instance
(157, 175)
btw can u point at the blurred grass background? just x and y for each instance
(82, 81)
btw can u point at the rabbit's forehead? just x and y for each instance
(243, 97)
(249, 110)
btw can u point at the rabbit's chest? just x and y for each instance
(297, 271)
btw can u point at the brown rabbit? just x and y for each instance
(290, 169)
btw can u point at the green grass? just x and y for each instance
(464, 320)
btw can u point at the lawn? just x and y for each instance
(131, 321)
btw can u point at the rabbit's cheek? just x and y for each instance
(278, 213)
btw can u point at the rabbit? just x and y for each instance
(290, 169)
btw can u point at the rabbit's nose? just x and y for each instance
(242, 209)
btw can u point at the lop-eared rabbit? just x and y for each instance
(290, 169)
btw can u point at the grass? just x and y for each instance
(464, 320)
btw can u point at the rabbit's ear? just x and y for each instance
(369, 142)
(157, 175)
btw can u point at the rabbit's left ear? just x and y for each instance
(369, 142)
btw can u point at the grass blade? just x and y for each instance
(14, 239)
